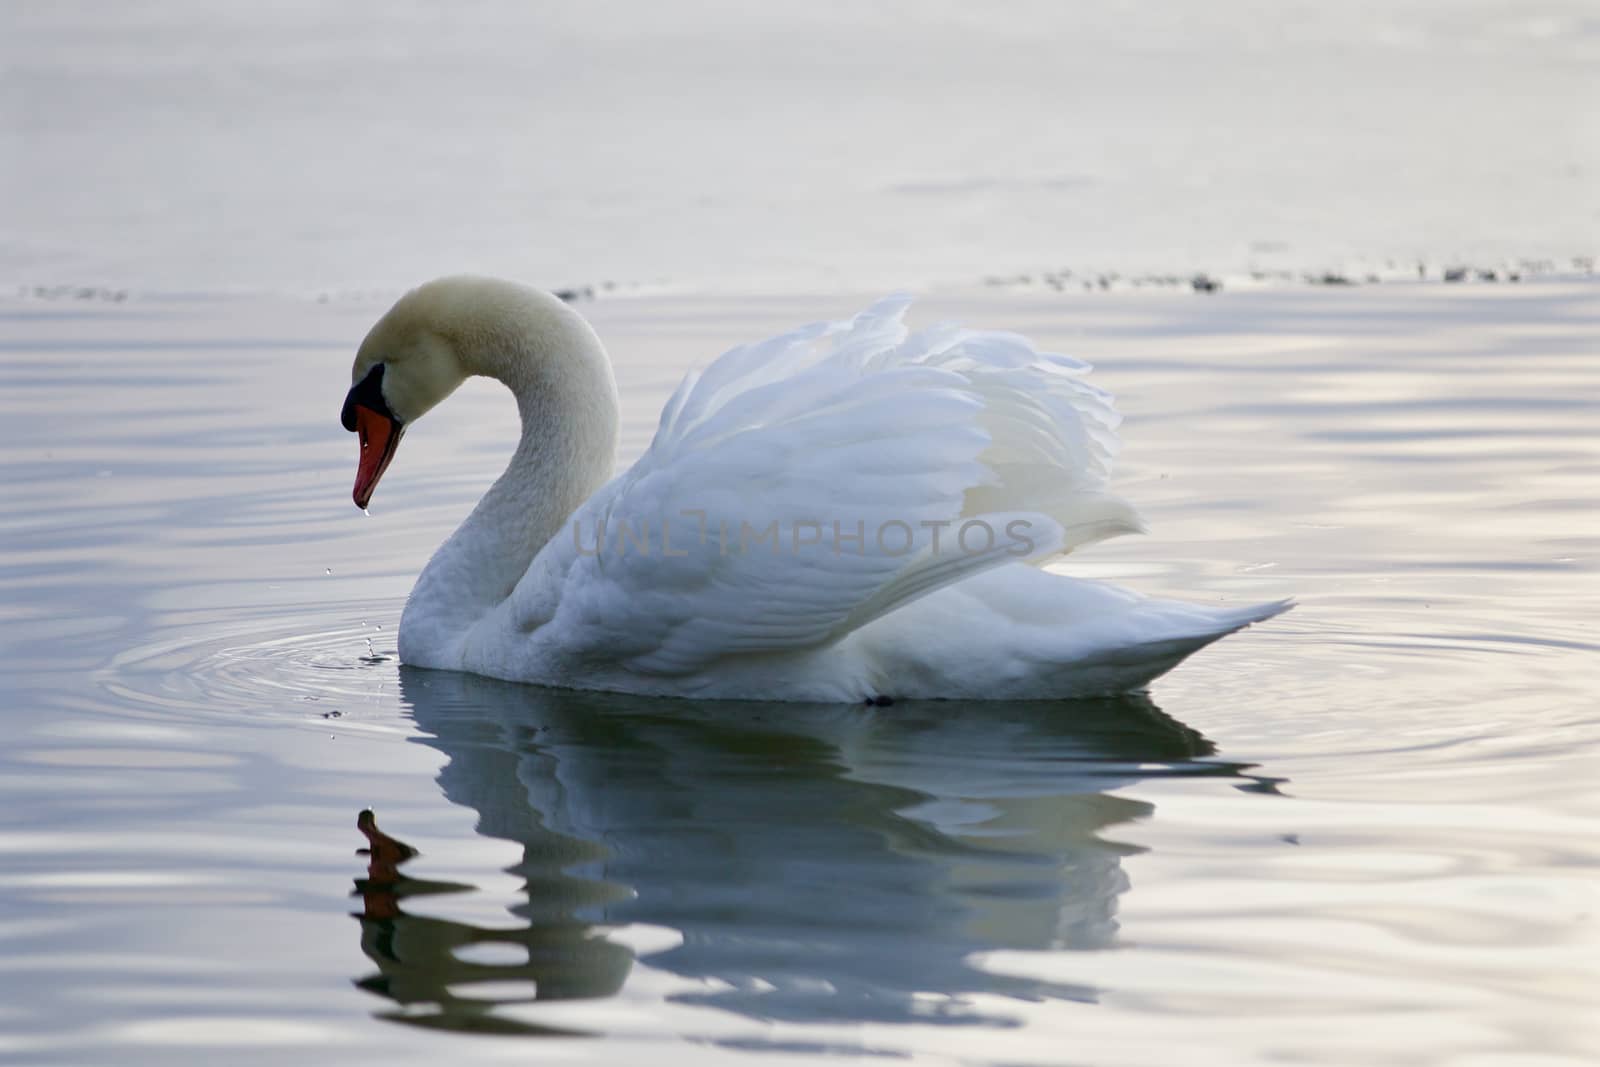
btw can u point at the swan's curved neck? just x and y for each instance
(567, 399)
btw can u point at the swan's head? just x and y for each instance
(440, 333)
(408, 362)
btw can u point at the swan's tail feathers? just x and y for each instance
(1191, 627)
(1169, 633)
(1235, 619)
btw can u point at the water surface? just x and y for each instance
(1365, 832)
(189, 145)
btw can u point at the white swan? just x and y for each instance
(840, 513)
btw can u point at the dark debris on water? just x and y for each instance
(1065, 279)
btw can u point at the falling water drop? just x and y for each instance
(327, 570)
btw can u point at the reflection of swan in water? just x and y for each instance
(832, 862)
(438, 964)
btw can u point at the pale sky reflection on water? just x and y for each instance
(188, 146)
(1362, 832)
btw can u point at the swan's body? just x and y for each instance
(913, 486)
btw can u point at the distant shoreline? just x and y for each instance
(1065, 281)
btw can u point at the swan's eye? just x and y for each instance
(368, 392)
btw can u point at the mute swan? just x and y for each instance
(840, 513)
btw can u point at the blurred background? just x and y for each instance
(189, 146)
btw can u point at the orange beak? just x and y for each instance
(380, 436)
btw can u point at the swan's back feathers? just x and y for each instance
(801, 487)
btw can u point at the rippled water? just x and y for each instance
(1363, 833)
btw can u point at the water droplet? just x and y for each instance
(367, 513)
(377, 626)
(327, 570)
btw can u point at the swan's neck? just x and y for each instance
(567, 399)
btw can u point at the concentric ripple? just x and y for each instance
(306, 663)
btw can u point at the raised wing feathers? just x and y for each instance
(805, 485)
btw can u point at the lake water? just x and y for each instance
(1365, 833)
(1362, 833)
(196, 145)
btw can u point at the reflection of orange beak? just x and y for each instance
(380, 436)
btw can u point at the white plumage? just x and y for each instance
(840, 512)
